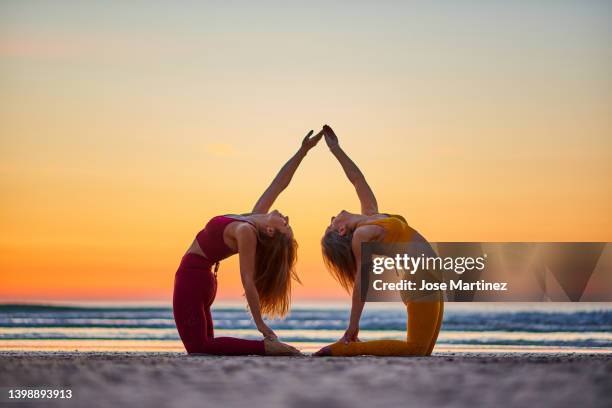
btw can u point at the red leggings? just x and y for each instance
(195, 288)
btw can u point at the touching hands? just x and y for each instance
(311, 141)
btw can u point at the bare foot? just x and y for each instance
(276, 348)
(325, 351)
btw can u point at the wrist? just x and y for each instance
(334, 148)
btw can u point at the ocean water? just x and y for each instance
(542, 327)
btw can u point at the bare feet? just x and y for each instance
(276, 348)
(325, 351)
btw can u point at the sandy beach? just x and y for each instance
(448, 380)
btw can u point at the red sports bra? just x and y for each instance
(210, 239)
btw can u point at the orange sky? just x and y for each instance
(123, 129)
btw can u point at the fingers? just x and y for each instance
(315, 139)
(311, 141)
(305, 140)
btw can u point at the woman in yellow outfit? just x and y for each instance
(341, 247)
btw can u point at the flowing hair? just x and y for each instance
(275, 259)
(339, 258)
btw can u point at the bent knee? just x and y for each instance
(197, 349)
(416, 350)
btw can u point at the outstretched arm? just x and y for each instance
(247, 243)
(366, 196)
(246, 239)
(363, 234)
(284, 176)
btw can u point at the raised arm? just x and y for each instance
(366, 196)
(284, 176)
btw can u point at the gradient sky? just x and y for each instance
(125, 127)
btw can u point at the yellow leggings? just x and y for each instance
(423, 326)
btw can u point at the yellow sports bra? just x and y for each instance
(396, 226)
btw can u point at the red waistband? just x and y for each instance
(195, 261)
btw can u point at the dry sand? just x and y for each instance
(449, 380)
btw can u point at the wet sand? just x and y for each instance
(444, 380)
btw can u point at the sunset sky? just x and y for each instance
(125, 127)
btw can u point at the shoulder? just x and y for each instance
(245, 234)
(398, 218)
(391, 221)
(365, 233)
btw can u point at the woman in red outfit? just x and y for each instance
(267, 250)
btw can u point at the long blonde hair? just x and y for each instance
(339, 258)
(275, 259)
